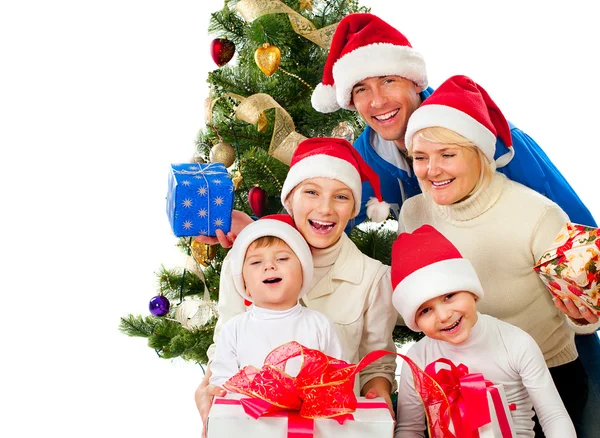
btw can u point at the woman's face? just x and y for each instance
(448, 173)
(321, 208)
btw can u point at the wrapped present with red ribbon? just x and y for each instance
(229, 417)
(318, 402)
(570, 268)
(476, 408)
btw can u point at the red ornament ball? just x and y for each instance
(257, 198)
(159, 305)
(222, 50)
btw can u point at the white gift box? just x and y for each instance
(228, 419)
(499, 414)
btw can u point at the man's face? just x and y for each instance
(385, 103)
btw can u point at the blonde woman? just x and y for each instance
(500, 226)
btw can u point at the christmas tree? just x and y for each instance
(270, 54)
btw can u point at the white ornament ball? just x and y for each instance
(193, 313)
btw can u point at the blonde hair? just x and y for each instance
(445, 136)
(265, 242)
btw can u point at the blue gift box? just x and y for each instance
(199, 199)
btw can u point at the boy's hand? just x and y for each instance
(373, 393)
(581, 315)
(204, 398)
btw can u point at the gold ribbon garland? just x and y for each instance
(252, 9)
(285, 139)
(261, 124)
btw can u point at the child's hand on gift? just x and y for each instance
(373, 393)
(581, 315)
(239, 220)
(204, 397)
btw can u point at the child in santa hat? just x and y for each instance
(272, 268)
(322, 192)
(435, 291)
(499, 225)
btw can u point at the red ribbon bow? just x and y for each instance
(467, 398)
(324, 387)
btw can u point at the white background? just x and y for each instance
(97, 98)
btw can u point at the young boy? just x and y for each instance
(272, 267)
(435, 291)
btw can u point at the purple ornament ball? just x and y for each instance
(159, 305)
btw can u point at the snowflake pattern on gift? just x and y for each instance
(199, 199)
(571, 267)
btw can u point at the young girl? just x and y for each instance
(500, 226)
(322, 192)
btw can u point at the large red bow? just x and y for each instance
(466, 395)
(324, 387)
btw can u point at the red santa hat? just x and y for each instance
(337, 159)
(463, 106)
(276, 225)
(426, 265)
(364, 46)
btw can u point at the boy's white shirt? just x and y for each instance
(505, 355)
(249, 337)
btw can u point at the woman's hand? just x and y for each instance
(239, 220)
(204, 397)
(581, 315)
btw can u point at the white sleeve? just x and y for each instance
(379, 322)
(230, 304)
(225, 362)
(410, 415)
(548, 405)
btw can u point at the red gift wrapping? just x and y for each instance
(467, 397)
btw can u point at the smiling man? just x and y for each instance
(373, 69)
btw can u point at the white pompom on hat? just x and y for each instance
(426, 265)
(463, 106)
(276, 225)
(365, 46)
(335, 158)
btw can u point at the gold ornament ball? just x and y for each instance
(203, 253)
(267, 58)
(222, 153)
(343, 130)
(197, 158)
